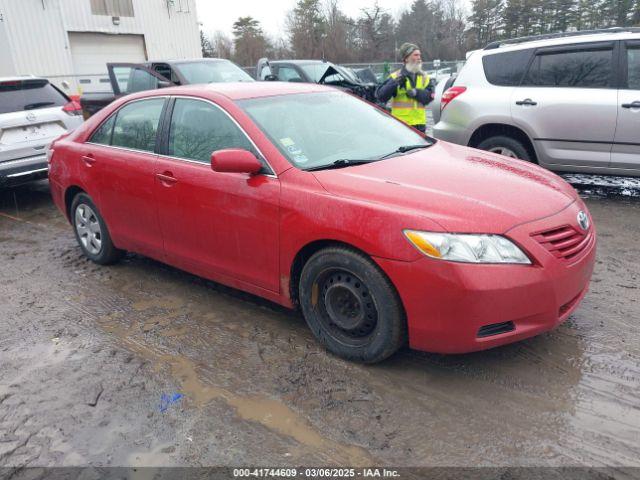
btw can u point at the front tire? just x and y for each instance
(507, 146)
(91, 231)
(351, 306)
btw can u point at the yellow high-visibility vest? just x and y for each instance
(407, 109)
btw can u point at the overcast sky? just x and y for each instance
(220, 14)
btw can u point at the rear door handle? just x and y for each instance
(166, 178)
(526, 101)
(88, 160)
(635, 104)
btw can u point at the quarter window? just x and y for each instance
(136, 125)
(633, 68)
(103, 134)
(506, 69)
(198, 129)
(578, 69)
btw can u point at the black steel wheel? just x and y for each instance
(351, 306)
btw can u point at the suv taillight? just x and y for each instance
(72, 108)
(450, 94)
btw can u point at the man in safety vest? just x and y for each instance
(410, 89)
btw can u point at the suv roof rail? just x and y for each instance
(511, 41)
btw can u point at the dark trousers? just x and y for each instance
(422, 128)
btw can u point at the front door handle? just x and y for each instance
(527, 101)
(167, 179)
(88, 160)
(635, 104)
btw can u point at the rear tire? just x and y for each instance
(351, 306)
(91, 231)
(507, 146)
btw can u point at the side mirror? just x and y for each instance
(235, 160)
(164, 84)
(271, 78)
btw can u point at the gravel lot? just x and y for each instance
(141, 364)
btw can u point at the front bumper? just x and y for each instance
(19, 171)
(448, 303)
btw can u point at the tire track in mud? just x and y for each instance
(569, 397)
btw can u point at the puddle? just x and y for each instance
(269, 412)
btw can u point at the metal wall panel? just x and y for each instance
(37, 32)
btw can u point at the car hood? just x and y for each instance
(460, 188)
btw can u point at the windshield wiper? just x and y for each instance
(32, 106)
(343, 162)
(405, 149)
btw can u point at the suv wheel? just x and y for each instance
(507, 146)
(351, 306)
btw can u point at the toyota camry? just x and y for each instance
(317, 200)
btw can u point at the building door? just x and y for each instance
(91, 52)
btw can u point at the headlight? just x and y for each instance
(467, 248)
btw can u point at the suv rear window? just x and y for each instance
(20, 95)
(506, 69)
(585, 68)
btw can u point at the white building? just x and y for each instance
(72, 40)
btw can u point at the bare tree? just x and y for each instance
(222, 45)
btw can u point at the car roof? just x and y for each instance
(186, 60)
(21, 77)
(243, 90)
(300, 62)
(568, 40)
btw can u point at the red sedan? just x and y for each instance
(310, 197)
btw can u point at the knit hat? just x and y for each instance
(407, 49)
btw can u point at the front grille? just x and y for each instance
(564, 242)
(496, 329)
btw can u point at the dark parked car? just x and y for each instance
(317, 71)
(129, 78)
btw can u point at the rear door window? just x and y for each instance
(508, 68)
(199, 128)
(136, 125)
(583, 68)
(633, 67)
(20, 95)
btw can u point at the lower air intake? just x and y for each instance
(496, 329)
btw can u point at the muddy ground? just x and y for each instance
(141, 364)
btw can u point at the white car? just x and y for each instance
(570, 102)
(33, 113)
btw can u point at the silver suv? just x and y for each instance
(33, 113)
(570, 102)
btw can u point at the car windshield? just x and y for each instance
(315, 71)
(313, 130)
(213, 72)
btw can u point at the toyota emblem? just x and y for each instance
(31, 117)
(583, 220)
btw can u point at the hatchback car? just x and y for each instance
(32, 114)
(379, 234)
(570, 102)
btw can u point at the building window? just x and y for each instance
(112, 8)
